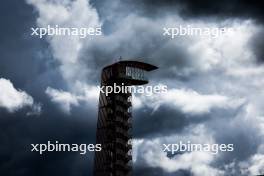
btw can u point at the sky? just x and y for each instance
(48, 86)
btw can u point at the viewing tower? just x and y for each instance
(115, 118)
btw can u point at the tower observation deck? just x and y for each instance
(114, 122)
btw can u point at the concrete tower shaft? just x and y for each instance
(115, 118)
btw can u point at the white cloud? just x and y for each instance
(199, 163)
(257, 164)
(189, 101)
(67, 49)
(66, 100)
(14, 99)
(35, 110)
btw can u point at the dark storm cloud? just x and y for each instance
(203, 8)
(27, 62)
(257, 44)
(165, 121)
(145, 171)
(18, 132)
(143, 45)
(246, 140)
(168, 120)
(112, 14)
(17, 48)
